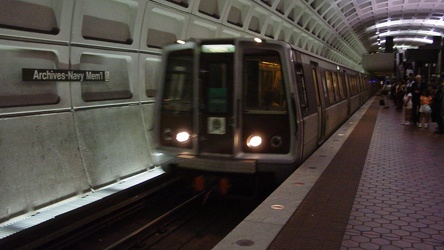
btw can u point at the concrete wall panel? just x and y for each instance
(149, 76)
(45, 21)
(108, 23)
(18, 96)
(123, 85)
(162, 26)
(113, 143)
(40, 162)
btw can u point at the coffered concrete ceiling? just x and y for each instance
(368, 22)
(353, 28)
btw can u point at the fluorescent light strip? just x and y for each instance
(408, 39)
(408, 22)
(407, 32)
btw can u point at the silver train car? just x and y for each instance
(249, 105)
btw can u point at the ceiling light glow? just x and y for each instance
(409, 39)
(407, 32)
(408, 22)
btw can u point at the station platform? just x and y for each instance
(375, 184)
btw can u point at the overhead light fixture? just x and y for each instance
(407, 39)
(407, 22)
(398, 33)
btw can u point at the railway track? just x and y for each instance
(72, 226)
(165, 213)
(177, 220)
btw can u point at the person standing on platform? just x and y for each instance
(393, 92)
(407, 107)
(438, 108)
(386, 93)
(408, 72)
(399, 95)
(416, 87)
(425, 110)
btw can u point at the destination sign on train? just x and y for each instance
(218, 48)
(50, 75)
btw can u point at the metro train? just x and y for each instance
(250, 105)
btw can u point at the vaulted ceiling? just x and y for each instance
(411, 22)
(357, 27)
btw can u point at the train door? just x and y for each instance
(347, 93)
(242, 89)
(320, 93)
(196, 113)
(264, 101)
(216, 117)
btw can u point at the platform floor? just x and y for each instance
(400, 199)
(381, 188)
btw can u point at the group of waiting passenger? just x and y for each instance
(421, 103)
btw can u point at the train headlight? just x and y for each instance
(182, 137)
(254, 141)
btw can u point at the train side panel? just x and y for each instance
(355, 103)
(308, 103)
(332, 93)
(336, 105)
(336, 116)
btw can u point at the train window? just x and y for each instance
(330, 88)
(341, 86)
(336, 86)
(361, 84)
(263, 83)
(300, 82)
(215, 78)
(354, 86)
(350, 85)
(178, 87)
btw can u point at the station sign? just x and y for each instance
(60, 75)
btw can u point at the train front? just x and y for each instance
(226, 106)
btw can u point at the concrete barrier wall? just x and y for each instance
(59, 139)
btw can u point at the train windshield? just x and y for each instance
(178, 85)
(263, 84)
